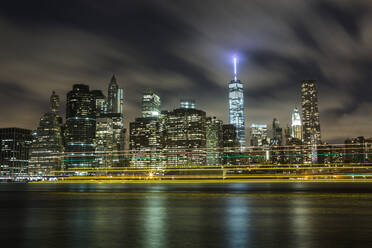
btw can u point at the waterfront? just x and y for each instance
(187, 215)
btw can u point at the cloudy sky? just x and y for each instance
(184, 49)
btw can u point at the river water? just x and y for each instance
(186, 215)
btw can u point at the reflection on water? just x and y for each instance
(224, 215)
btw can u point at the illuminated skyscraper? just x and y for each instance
(185, 137)
(146, 142)
(236, 106)
(310, 113)
(120, 101)
(230, 144)
(80, 126)
(310, 118)
(296, 126)
(54, 103)
(100, 102)
(112, 98)
(47, 144)
(150, 104)
(277, 133)
(14, 151)
(214, 134)
(259, 135)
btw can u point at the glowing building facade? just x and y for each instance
(259, 135)
(80, 128)
(47, 144)
(236, 106)
(14, 151)
(310, 118)
(187, 103)
(146, 142)
(277, 133)
(150, 104)
(110, 131)
(185, 137)
(296, 125)
(112, 98)
(213, 141)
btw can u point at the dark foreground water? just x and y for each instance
(192, 215)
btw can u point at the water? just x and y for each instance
(186, 215)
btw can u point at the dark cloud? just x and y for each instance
(183, 49)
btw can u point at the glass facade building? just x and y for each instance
(310, 113)
(214, 141)
(14, 151)
(185, 137)
(310, 119)
(259, 135)
(146, 143)
(47, 145)
(277, 133)
(112, 98)
(150, 104)
(236, 107)
(80, 128)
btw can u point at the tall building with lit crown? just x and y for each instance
(236, 106)
(80, 128)
(150, 104)
(296, 125)
(47, 145)
(310, 118)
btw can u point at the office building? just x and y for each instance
(112, 97)
(146, 142)
(150, 104)
(100, 102)
(185, 137)
(310, 119)
(258, 134)
(47, 148)
(310, 113)
(213, 141)
(277, 133)
(14, 151)
(80, 128)
(230, 145)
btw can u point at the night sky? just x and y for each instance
(184, 49)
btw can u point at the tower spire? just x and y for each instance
(113, 78)
(235, 60)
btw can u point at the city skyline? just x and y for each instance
(191, 57)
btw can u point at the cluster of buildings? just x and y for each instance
(93, 135)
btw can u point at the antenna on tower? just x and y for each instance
(235, 70)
